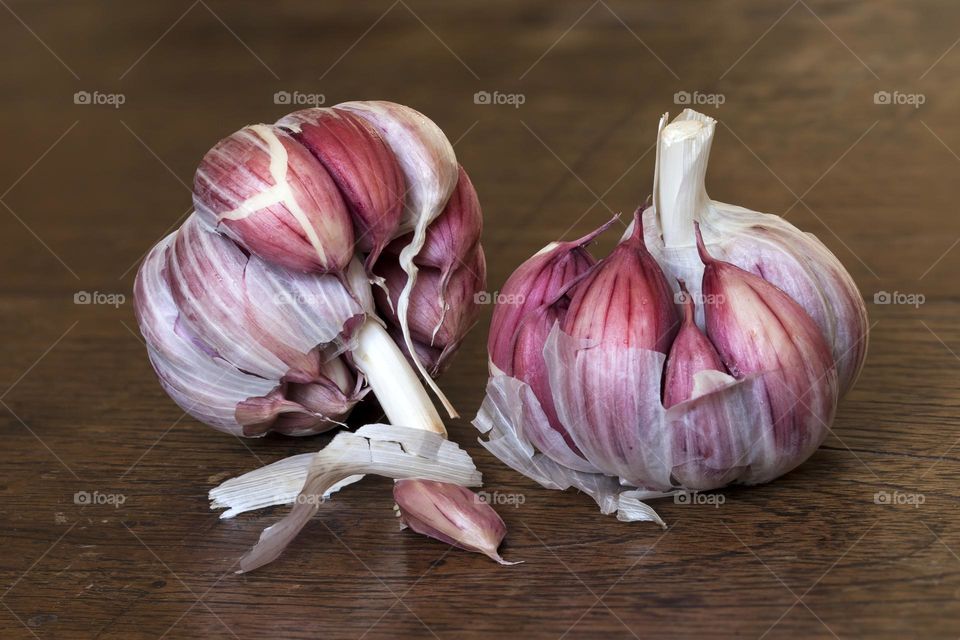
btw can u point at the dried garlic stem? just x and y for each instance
(393, 381)
(681, 194)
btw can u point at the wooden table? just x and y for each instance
(87, 188)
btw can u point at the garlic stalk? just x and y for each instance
(599, 382)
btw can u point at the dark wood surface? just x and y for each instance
(87, 189)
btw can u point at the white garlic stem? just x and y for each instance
(394, 381)
(681, 194)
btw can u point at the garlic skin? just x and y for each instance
(640, 403)
(363, 168)
(263, 189)
(212, 390)
(450, 513)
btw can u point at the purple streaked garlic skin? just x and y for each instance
(363, 168)
(265, 190)
(452, 514)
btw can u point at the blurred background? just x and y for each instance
(840, 116)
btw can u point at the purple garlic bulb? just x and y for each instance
(598, 383)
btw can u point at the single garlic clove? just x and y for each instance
(621, 316)
(536, 282)
(454, 233)
(759, 330)
(690, 354)
(438, 318)
(452, 514)
(363, 168)
(262, 188)
(624, 300)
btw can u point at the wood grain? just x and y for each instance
(87, 189)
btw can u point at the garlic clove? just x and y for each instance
(452, 514)
(690, 354)
(758, 329)
(536, 282)
(262, 188)
(437, 318)
(625, 300)
(363, 168)
(454, 233)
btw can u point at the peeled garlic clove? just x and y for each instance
(536, 282)
(362, 166)
(452, 514)
(265, 190)
(437, 318)
(690, 354)
(759, 330)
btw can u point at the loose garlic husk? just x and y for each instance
(259, 314)
(604, 384)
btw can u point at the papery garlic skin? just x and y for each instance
(212, 390)
(265, 190)
(450, 513)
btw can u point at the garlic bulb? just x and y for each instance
(710, 347)
(259, 315)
